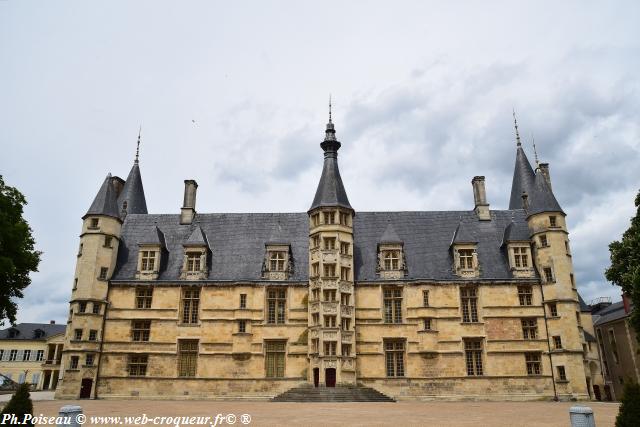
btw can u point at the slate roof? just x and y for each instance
(133, 193)
(153, 236)
(523, 178)
(588, 337)
(465, 233)
(609, 314)
(196, 238)
(390, 235)
(26, 331)
(541, 198)
(584, 307)
(237, 242)
(105, 202)
(513, 233)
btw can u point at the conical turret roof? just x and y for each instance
(133, 193)
(105, 201)
(541, 198)
(523, 179)
(330, 190)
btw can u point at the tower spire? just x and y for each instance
(535, 152)
(515, 123)
(330, 108)
(138, 146)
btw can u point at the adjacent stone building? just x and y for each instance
(618, 345)
(31, 353)
(474, 304)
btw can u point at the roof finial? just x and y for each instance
(138, 146)
(330, 108)
(535, 152)
(515, 123)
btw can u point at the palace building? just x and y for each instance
(474, 304)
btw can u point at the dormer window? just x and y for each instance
(520, 259)
(277, 263)
(391, 260)
(193, 261)
(13, 333)
(466, 260)
(38, 333)
(148, 262)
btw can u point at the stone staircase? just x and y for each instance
(309, 393)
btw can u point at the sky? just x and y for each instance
(235, 94)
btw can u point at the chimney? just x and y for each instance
(118, 184)
(544, 169)
(480, 199)
(525, 200)
(52, 322)
(188, 211)
(626, 302)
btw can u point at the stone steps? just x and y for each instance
(308, 393)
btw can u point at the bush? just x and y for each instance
(630, 406)
(20, 403)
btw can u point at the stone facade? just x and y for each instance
(479, 304)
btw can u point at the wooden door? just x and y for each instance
(330, 376)
(85, 388)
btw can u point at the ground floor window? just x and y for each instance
(275, 356)
(394, 356)
(533, 363)
(138, 365)
(473, 356)
(187, 358)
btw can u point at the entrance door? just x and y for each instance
(316, 377)
(85, 388)
(330, 376)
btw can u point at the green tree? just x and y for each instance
(20, 403)
(17, 254)
(629, 412)
(625, 264)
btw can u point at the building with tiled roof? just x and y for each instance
(473, 304)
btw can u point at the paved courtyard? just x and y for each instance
(476, 414)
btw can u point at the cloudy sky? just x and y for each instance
(234, 95)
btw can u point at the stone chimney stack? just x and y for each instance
(188, 211)
(544, 169)
(480, 198)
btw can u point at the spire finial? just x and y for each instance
(535, 152)
(515, 123)
(138, 146)
(330, 109)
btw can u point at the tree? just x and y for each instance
(625, 265)
(629, 412)
(20, 403)
(17, 254)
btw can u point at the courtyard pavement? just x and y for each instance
(35, 395)
(446, 414)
